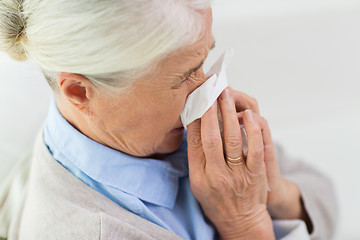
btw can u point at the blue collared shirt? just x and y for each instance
(157, 190)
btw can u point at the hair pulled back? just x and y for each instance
(12, 29)
(111, 42)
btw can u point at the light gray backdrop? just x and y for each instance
(299, 58)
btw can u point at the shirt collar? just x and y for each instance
(151, 180)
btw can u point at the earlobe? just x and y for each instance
(75, 88)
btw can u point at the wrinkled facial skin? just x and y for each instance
(142, 121)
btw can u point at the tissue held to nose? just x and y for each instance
(202, 98)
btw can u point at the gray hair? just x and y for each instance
(111, 42)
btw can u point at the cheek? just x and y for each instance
(174, 105)
(166, 115)
(117, 114)
(146, 116)
(161, 115)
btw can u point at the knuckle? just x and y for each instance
(212, 142)
(194, 140)
(227, 102)
(256, 154)
(255, 130)
(269, 148)
(233, 141)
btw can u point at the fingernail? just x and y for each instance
(249, 115)
(225, 94)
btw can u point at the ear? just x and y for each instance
(76, 89)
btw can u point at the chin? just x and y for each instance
(171, 143)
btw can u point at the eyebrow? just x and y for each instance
(194, 69)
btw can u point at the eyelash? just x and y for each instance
(184, 80)
(187, 77)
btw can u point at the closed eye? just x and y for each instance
(182, 81)
(193, 70)
(190, 73)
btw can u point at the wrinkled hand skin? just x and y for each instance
(284, 199)
(233, 197)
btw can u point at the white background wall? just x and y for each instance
(299, 58)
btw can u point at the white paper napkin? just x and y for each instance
(202, 98)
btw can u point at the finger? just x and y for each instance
(196, 155)
(244, 101)
(269, 149)
(267, 139)
(211, 138)
(240, 116)
(255, 157)
(272, 168)
(231, 126)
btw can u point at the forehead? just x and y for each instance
(203, 44)
(189, 56)
(183, 59)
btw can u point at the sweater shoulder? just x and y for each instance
(60, 206)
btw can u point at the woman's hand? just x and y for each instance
(284, 199)
(233, 197)
(244, 101)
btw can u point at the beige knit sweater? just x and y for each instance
(59, 206)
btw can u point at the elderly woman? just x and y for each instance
(113, 160)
